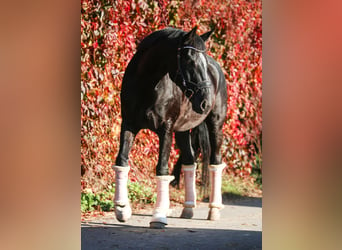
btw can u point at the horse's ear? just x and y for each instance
(191, 34)
(206, 35)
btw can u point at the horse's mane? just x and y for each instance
(170, 34)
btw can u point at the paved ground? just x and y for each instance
(240, 227)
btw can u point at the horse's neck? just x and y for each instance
(162, 63)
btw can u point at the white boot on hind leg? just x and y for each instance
(160, 212)
(190, 191)
(123, 210)
(215, 202)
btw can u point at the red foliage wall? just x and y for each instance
(110, 32)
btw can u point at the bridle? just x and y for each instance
(190, 87)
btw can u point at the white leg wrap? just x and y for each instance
(190, 191)
(163, 199)
(122, 208)
(215, 172)
(190, 185)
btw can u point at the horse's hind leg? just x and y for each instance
(122, 208)
(189, 168)
(215, 202)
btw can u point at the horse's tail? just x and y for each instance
(176, 172)
(200, 144)
(200, 136)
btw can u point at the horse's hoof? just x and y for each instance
(123, 213)
(187, 213)
(157, 225)
(214, 214)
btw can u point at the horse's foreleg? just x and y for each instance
(165, 143)
(163, 180)
(190, 191)
(122, 208)
(189, 168)
(126, 142)
(161, 209)
(215, 169)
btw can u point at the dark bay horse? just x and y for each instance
(172, 85)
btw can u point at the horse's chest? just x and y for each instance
(187, 118)
(175, 108)
(170, 104)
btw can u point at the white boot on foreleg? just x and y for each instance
(190, 191)
(123, 210)
(215, 201)
(161, 210)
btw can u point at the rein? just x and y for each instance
(190, 87)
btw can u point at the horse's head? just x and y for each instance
(193, 70)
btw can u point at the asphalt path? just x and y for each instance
(240, 227)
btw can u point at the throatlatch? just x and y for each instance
(163, 201)
(215, 201)
(123, 210)
(190, 190)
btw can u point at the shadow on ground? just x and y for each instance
(237, 200)
(240, 227)
(122, 236)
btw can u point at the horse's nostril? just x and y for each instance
(203, 105)
(189, 93)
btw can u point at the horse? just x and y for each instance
(172, 86)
